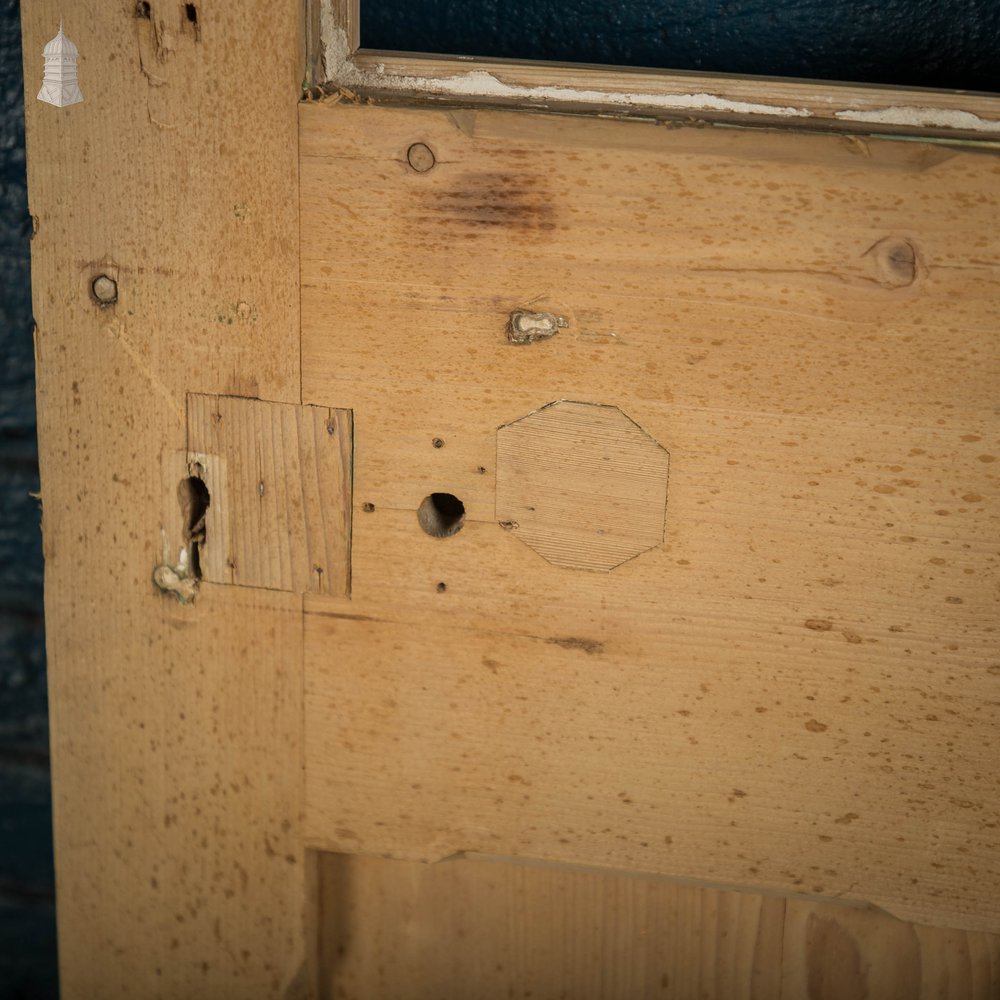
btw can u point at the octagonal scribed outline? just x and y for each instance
(582, 484)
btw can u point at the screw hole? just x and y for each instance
(191, 16)
(438, 442)
(142, 10)
(368, 507)
(441, 515)
(442, 587)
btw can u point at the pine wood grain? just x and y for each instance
(481, 927)
(280, 481)
(582, 485)
(842, 953)
(175, 729)
(797, 690)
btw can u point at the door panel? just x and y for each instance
(494, 930)
(793, 690)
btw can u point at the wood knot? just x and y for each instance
(420, 157)
(894, 261)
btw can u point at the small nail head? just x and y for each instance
(368, 507)
(438, 442)
(105, 290)
(420, 157)
(442, 587)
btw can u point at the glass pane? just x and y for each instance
(926, 43)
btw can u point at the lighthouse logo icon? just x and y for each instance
(59, 86)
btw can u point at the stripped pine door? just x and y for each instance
(497, 552)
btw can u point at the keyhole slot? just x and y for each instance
(194, 498)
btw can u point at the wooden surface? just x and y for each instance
(582, 485)
(280, 481)
(795, 691)
(798, 690)
(473, 927)
(175, 729)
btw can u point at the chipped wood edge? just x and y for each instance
(687, 98)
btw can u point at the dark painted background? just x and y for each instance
(916, 42)
(27, 916)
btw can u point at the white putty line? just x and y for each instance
(479, 83)
(922, 118)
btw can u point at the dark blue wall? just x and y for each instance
(933, 43)
(948, 44)
(27, 917)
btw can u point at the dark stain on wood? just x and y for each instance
(482, 203)
(588, 646)
(343, 615)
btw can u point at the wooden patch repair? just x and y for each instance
(582, 484)
(279, 479)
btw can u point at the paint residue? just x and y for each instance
(480, 83)
(922, 117)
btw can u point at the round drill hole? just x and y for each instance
(441, 515)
